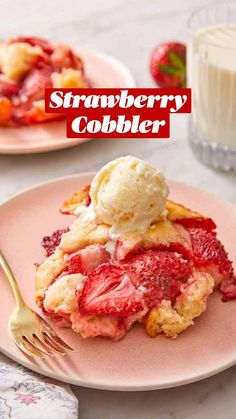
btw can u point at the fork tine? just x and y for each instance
(27, 351)
(41, 338)
(31, 343)
(50, 333)
(55, 338)
(31, 352)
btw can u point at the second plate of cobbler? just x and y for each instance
(140, 285)
(28, 65)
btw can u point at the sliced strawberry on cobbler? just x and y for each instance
(63, 57)
(209, 255)
(109, 290)
(141, 281)
(35, 83)
(159, 274)
(8, 88)
(87, 260)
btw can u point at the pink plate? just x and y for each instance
(102, 71)
(137, 362)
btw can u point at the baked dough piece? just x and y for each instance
(47, 272)
(190, 304)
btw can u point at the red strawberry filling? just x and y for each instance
(156, 275)
(210, 255)
(159, 274)
(49, 243)
(8, 89)
(116, 293)
(35, 83)
(63, 57)
(139, 282)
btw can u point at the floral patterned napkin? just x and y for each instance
(27, 395)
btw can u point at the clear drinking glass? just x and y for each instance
(211, 59)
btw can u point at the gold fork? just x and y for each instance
(30, 332)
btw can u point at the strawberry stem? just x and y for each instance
(177, 62)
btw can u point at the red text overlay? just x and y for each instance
(118, 113)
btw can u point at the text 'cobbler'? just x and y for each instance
(118, 113)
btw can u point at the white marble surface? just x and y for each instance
(128, 29)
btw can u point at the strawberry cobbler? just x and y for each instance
(27, 66)
(131, 255)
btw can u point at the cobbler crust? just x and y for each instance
(47, 272)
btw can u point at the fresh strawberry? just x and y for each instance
(35, 42)
(210, 255)
(159, 274)
(49, 243)
(110, 291)
(8, 89)
(87, 259)
(35, 83)
(168, 64)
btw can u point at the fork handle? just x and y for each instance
(12, 281)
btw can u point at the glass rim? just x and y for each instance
(198, 10)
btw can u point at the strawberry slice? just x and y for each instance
(168, 64)
(63, 57)
(35, 42)
(49, 243)
(87, 260)
(35, 83)
(8, 89)
(110, 291)
(206, 223)
(210, 255)
(159, 274)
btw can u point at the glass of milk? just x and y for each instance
(211, 62)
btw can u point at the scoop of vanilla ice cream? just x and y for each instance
(128, 194)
